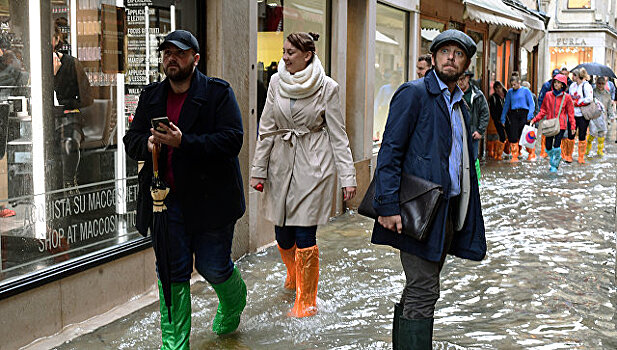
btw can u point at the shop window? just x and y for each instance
(570, 56)
(579, 4)
(476, 65)
(501, 59)
(71, 187)
(429, 29)
(391, 62)
(276, 20)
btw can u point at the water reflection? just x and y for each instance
(548, 281)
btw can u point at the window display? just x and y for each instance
(67, 190)
(276, 20)
(391, 63)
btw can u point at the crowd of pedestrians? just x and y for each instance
(565, 96)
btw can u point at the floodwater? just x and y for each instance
(548, 281)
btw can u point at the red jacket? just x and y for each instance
(550, 108)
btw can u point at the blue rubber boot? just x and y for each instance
(557, 157)
(551, 160)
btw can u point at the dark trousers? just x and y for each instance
(554, 141)
(421, 290)
(301, 236)
(582, 124)
(517, 119)
(212, 249)
(501, 129)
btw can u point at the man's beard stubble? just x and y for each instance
(448, 78)
(181, 74)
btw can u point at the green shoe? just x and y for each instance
(232, 300)
(415, 334)
(176, 334)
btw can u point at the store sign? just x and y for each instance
(570, 42)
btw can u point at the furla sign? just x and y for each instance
(570, 42)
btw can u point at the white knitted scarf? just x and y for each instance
(303, 83)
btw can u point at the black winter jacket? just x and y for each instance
(208, 182)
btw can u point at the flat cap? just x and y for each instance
(452, 35)
(183, 39)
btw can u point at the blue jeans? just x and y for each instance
(212, 249)
(302, 236)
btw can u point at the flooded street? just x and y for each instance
(548, 281)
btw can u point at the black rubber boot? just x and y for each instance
(415, 334)
(398, 311)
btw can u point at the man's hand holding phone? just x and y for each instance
(164, 132)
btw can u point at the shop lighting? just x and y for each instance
(273, 4)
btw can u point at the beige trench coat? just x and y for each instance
(298, 152)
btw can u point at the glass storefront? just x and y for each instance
(276, 19)
(501, 63)
(477, 62)
(570, 56)
(391, 62)
(429, 29)
(66, 187)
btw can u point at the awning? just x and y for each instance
(492, 12)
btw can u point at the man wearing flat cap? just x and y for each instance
(199, 162)
(428, 135)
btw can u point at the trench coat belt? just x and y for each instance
(288, 133)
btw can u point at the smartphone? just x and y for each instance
(162, 120)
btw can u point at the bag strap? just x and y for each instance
(563, 98)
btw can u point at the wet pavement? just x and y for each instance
(548, 281)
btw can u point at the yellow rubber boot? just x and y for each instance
(601, 146)
(589, 144)
(307, 276)
(289, 259)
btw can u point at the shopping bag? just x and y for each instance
(528, 137)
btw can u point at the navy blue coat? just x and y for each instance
(417, 140)
(207, 178)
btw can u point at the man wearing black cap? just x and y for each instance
(199, 160)
(428, 135)
(478, 110)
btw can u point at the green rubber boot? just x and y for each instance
(415, 334)
(232, 300)
(176, 334)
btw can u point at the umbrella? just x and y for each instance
(160, 233)
(594, 68)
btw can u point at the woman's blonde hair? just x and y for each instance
(581, 72)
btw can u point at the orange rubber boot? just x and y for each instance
(582, 146)
(289, 259)
(490, 147)
(569, 148)
(507, 147)
(543, 153)
(532, 154)
(499, 150)
(514, 151)
(307, 276)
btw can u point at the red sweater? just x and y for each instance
(550, 108)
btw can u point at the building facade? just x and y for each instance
(71, 248)
(580, 31)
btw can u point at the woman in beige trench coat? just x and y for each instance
(302, 145)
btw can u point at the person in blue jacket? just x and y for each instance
(518, 108)
(428, 135)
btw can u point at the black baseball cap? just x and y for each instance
(555, 72)
(183, 39)
(461, 39)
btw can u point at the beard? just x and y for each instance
(448, 77)
(180, 74)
